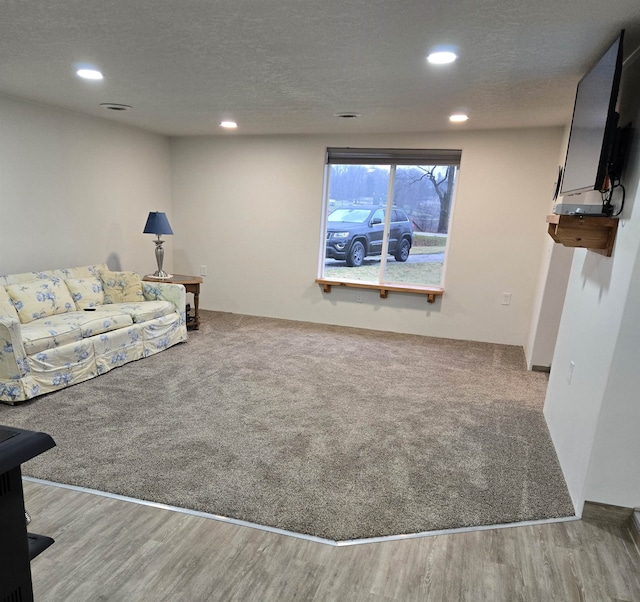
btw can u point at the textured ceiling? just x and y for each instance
(287, 66)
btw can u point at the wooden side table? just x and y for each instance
(192, 284)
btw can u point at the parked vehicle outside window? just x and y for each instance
(356, 232)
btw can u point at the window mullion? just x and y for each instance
(387, 223)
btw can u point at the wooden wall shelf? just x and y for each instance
(431, 292)
(587, 231)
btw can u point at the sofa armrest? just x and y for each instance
(13, 359)
(166, 291)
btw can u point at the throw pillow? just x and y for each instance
(86, 292)
(40, 298)
(121, 287)
(7, 310)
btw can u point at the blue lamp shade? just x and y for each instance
(157, 223)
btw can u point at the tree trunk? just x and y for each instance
(445, 202)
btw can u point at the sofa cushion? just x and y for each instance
(7, 310)
(141, 312)
(93, 322)
(48, 333)
(121, 287)
(86, 292)
(40, 298)
(54, 331)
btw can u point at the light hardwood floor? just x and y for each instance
(108, 549)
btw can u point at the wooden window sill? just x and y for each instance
(431, 292)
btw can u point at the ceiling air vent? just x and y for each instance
(112, 106)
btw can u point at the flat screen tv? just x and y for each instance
(593, 127)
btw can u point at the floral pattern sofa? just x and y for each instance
(62, 327)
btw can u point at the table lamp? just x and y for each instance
(157, 223)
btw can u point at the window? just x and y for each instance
(387, 215)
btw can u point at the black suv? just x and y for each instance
(355, 231)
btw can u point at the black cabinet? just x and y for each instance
(17, 547)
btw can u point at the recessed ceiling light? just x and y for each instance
(458, 117)
(89, 74)
(230, 125)
(442, 57)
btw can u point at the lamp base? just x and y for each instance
(160, 275)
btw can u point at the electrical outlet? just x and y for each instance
(506, 298)
(572, 365)
(359, 297)
(203, 270)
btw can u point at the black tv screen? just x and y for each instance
(594, 124)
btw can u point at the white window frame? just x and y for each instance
(391, 158)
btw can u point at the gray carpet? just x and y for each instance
(335, 432)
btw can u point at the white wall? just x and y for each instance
(614, 471)
(594, 419)
(547, 310)
(249, 209)
(76, 190)
(552, 286)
